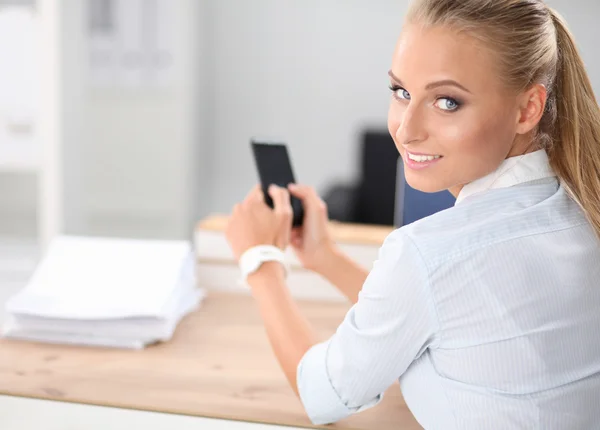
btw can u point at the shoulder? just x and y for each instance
(400, 265)
(494, 217)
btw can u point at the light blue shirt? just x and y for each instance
(488, 314)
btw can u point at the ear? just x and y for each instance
(532, 103)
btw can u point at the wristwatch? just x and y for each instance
(253, 258)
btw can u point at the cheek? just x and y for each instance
(455, 133)
(478, 145)
(461, 133)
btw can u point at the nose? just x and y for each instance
(412, 127)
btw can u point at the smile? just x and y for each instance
(421, 161)
(422, 158)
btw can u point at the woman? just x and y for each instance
(488, 313)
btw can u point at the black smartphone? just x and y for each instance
(275, 167)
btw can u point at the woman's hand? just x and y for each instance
(253, 223)
(312, 242)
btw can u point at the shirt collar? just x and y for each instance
(512, 171)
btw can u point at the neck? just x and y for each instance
(517, 150)
(455, 191)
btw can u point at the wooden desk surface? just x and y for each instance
(219, 364)
(342, 232)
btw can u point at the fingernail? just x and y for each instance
(292, 185)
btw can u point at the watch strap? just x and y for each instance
(253, 258)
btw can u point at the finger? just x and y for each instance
(300, 191)
(253, 193)
(258, 195)
(254, 199)
(281, 198)
(281, 203)
(283, 214)
(305, 193)
(297, 233)
(308, 196)
(297, 242)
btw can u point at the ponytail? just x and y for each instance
(574, 151)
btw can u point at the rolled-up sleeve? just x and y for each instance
(392, 324)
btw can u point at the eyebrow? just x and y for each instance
(433, 85)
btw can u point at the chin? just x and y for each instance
(424, 183)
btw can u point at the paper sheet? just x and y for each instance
(95, 278)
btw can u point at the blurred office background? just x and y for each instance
(132, 118)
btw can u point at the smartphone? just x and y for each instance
(275, 167)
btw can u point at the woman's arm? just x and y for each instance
(343, 272)
(316, 249)
(289, 332)
(253, 223)
(393, 323)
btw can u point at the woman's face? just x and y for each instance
(451, 118)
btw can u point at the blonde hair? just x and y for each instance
(534, 46)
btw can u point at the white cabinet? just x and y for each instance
(26, 76)
(120, 157)
(19, 88)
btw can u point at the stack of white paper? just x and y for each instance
(106, 292)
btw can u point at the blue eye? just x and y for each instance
(447, 104)
(400, 93)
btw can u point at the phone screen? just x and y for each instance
(274, 167)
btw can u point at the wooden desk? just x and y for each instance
(219, 364)
(341, 232)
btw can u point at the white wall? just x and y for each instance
(18, 197)
(142, 156)
(314, 73)
(310, 72)
(582, 17)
